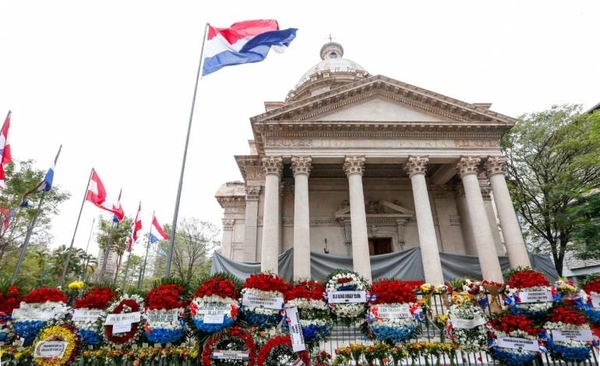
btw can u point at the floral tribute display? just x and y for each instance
(568, 334)
(86, 311)
(215, 304)
(393, 311)
(164, 320)
(36, 309)
(10, 299)
(278, 352)
(528, 292)
(262, 299)
(466, 324)
(57, 345)
(315, 319)
(591, 288)
(232, 346)
(121, 321)
(513, 339)
(347, 296)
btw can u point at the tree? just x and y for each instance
(21, 178)
(586, 235)
(553, 160)
(113, 237)
(194, 243)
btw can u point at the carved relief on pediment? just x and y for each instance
(378, 208)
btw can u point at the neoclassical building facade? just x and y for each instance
(362, 165)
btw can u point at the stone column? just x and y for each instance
(486, 194)
(227, 249)
(301, 166)
(465, 221)
(354, 167)
(482, 233)
(273, 166)
(251, 227)
(416, 166)
(513, 238)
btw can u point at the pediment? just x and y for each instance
(380, 95)
(380, 109)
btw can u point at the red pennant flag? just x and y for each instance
(96, 193)
(5, 154)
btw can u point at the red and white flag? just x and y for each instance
(156, 232)
(137, 226)
(5, 154)
(96, 194)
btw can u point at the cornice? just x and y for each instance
(389, 88)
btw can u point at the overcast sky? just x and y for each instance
(113, 81)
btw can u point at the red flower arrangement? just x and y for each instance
(525, 277)
(266, 282)
(10, 298)
(312, 290)
(510, 323)
(277, 348)
(218, 285)
(95, 298)
(388, 291)
(165, 296)
(233, 337)
(591, 283)
(45, 294)
(567, 315)
(125, 304)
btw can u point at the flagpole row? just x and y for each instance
(187, 142)
(27, 237)
(143, 269)
(68, 259)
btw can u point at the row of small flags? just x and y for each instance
(96, 193)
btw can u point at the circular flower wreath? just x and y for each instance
(94, 298)
(161, 302)
(393, 314)
(466, 324)
(263, 285)
(59, 332)
(278, 351)
(315, 319)
(343, 280)
(525, 279)
(216, 294)
(123, 305)
(231, 339)
(565, 317)
(512, 325)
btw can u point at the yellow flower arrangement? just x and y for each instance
(76, 285)
(65, 333)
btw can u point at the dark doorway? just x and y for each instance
(380, 246)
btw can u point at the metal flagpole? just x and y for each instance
(87, 258)
(187, 141)
(64, 272)
(27, 237)
(143, 269)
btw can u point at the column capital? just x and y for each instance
(228, 224)
(354, 165)
(273, 165)
(252, 193)
(416, 165)
(495, 165)
(301, 165)
(468, 165)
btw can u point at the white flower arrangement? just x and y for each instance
(467, 327)
(348, 312)
(391, 321)
(167, 319)
(262, 294)
(531, 307)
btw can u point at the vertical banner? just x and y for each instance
(295, 329)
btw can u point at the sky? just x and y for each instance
(113, 82)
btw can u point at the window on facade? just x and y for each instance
(380, 246)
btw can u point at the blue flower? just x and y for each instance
(212, 328)
(569, 353)
(29, 329)
(165, 335)
(89, 336)
(394, 334)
